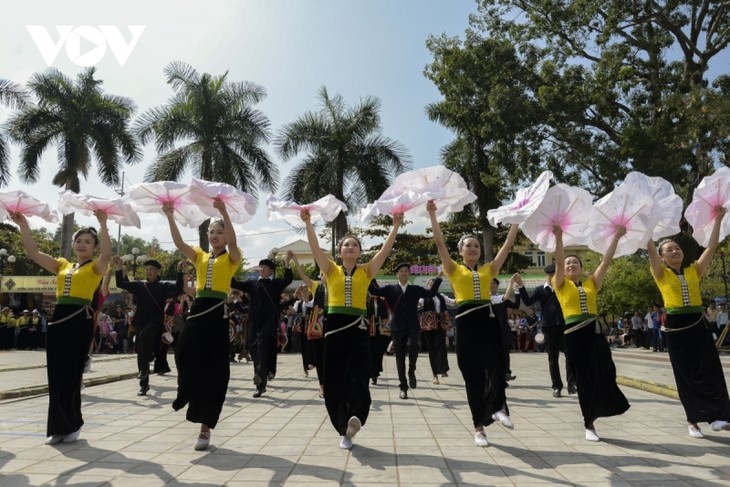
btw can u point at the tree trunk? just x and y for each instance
(67, 230)
(203, 236)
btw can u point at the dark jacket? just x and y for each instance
(552, 314)
(264, 303)
(150, 297)
(404, 306)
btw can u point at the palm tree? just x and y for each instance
(14, 96)
(345, 155)
(221, 137)
(83, 123)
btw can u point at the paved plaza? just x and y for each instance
(285, 438)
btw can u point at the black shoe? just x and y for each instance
(259, 392)
(556, 392)
(412, 380)
(509, 377)
(270, 376)
(143, 390)
(374, 380)
(403, 395)
(572, 389)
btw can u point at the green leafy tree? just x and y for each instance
(624, 85)
(210, 127)
(83, 123)
(11, 241)
(14, 96)
(628, 285)
(345, 154)
(488, 102)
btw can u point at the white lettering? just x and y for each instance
(85, 44)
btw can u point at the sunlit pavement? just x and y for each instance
(285, 438)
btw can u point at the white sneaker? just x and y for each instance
(695, 431)
(52, 440)
(353, 426)
(346, 443)
(591, 435)
(503, 419)
(480, 438)
(720, 425)
(71, 437)
(203, 441)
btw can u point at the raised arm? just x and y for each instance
(234, 253)
(105, 244)
(31, 247)
(104, 290)
(379, 259)
(447, 263)
(704, 261)
(608, 256)
(505, 249)
(559, 257)
(657, 268)
(305, 278)
(177, 239)
(319, 256)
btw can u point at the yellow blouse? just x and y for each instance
(677, 294)
(574, 308)
(471, 286)
(347, 298)
(213, 275)
(76, 284)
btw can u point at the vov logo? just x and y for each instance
(94, 39)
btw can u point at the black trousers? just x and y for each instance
(554, 344)
(66, 352)
(346, 371)
(148, 336)
(202, 363)
(405, 341)
(481, 362)
(263, 352)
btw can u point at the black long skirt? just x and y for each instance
(346, 371)
(480, 359)
(203, 366)
(697, 369)
(437, 356)
(598, 394)
(67, 349)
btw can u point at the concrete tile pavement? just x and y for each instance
(285, 438)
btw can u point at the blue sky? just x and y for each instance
(291, 47)
(355, 48)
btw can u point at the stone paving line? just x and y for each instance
(285, 438)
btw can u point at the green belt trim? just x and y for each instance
(209, 293)
(471, 302)
(346, 310)
(570, 320)
(71, 300)
(685, 309)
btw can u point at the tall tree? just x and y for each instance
(488, 103)
(210, 127)
(625, 84)
(14, 96)
(83, 123)
(346, 155)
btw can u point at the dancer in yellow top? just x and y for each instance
(585, 344)
(346, 337)
(479, 352)
(201, 354)
(71, 328)
(695, 361)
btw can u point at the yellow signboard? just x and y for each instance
(35, 284)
